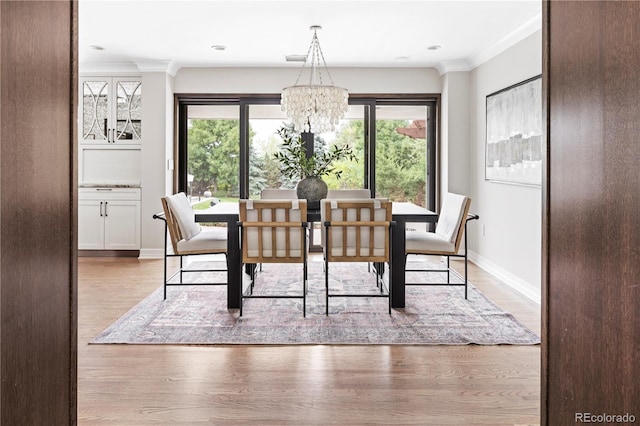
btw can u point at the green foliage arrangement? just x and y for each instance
(295, 164)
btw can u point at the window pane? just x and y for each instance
(264, 142)
(213, 149)
(401, 153)
(350, 131)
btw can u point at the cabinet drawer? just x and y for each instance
(106, 193)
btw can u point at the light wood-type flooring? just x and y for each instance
(294, 385)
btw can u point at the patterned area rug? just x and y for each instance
(432, 316)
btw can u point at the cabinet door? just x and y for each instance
(111, 110)
(90, 225)
(95, 110)
(122, 225)
(128, 111)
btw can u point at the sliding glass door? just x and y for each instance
(402, 151)
(211, 152)
(226, 147)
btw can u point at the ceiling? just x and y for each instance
(260, 33)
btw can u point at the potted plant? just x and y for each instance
(295, 164)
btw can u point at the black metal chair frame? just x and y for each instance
(252, 270)
(181, 269)
(378, 271)
(449, 270)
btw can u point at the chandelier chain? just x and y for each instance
(321, 56)
(316, 54)
(314, 107)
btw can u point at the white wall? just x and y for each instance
(455, 160)
(273, 80)
(157, 131)
(169, 136)
(511, 215)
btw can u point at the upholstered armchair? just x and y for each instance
(446, 240)
(188, 239)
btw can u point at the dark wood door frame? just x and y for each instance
(38, 212)
(591, 213)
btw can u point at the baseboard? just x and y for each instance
(151, 254)
(516, 283)
(108, 253)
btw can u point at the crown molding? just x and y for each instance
(453, 66)
(108, 67)
(157, 65)
(137, 66)
(515, 36)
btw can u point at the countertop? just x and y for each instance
(109, 185)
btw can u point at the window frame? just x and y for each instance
(370, 101)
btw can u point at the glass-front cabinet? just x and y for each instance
(111, 110)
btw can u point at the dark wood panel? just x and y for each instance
(592, 203)
(37, 214)
(544, 309)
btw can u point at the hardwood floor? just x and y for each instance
(297, 385)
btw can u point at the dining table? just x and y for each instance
(402, 214)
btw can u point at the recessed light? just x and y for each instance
(402, 58)
(296, 58)
(218, 47)
(434, 47)
(95, 47)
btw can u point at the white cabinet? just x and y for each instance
(110, 110)
(109, 218)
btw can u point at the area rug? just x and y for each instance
(435, 315)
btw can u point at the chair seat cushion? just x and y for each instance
(420, 242)
(214, 239)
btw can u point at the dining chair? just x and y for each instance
(342, 194)
(357, 230)
(188, 239)
(274, 231)
(278, 194)
(445, 241)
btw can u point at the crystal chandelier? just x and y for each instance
(314, 107)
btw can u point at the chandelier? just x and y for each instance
(314, 107)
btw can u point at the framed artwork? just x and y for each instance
(514, 134)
